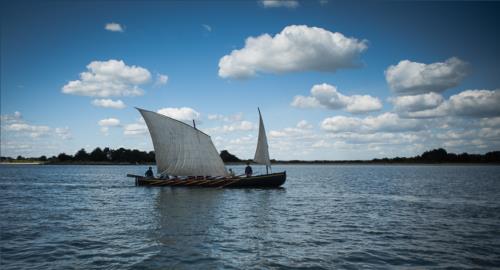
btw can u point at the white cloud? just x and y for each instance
(109, 122)
(327, 96)
(469, 103)
(135, 129)
(240, 126)
(184, 114)
(34, 131)
(417, 102)
(476, 103)
(279, 3)
(108, 103)
(296, 48)
(18, 127)
(11, 119)
(386, 122)
(109, 78)
(303, 124)
(207, 27)
(113, 27)
(161, 79)
(64, 133)
(229, 118)
(305, 102)
(411, 78)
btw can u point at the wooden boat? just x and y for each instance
(273, 180)
(183, 150)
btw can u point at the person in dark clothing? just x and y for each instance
(149, 172)
(248, 170)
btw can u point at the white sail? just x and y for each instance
(262, 151)
(181, 149)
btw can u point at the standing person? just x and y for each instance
(248, 170)
(149, 173)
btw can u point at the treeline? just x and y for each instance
(441, 156)
(127, 156)
(433, 156)
(98, 155)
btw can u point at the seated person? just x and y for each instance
(149, 173)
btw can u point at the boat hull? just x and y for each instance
(273, 180)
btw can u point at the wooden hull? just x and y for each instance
(273, 180)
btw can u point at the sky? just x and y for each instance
(334, 80)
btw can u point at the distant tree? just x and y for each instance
(228, 157)
(436, 155)
(151, 157)
(82, 155)
(42, 158)
(64, 157)
(492, 156)
(20, 158)
(107, 152)
(97, 155)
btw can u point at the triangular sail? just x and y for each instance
(262, 151)
(181, 149)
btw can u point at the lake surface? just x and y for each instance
(338, 216)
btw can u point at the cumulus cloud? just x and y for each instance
(296, 48)
(113, 27)
(303, 124)
(226, 118)
(11, 118)
(279, 3)
(469, 103)
(184, 114)
(108, 103)
(386, 122)
(135, 129)
(109, 78)
(417, 102)
(411, 78)
(240, 126)
(109, 122)
(34, 131)
(161, 79)
(327, 96)
(19, 127)
(63, 133)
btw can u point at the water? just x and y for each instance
(353, 216)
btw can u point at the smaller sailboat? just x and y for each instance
(186, 156)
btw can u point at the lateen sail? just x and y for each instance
(262, 151)
(181, 149)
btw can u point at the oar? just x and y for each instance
(230, 182)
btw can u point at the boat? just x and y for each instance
(186, 156)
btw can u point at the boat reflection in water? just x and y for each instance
(210, 228)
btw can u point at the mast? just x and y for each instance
(262, 151)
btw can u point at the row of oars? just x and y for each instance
(203, 183)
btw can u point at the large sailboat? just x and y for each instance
(186, 156)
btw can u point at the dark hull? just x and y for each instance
(273, 180)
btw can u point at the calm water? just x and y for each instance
(84, 217)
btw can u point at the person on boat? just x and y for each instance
(248, 170)
(149, 172)
(231, 173)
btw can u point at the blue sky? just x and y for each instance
(441, 92)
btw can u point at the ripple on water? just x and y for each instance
(327, 217)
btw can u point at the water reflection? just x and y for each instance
(196, 226)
